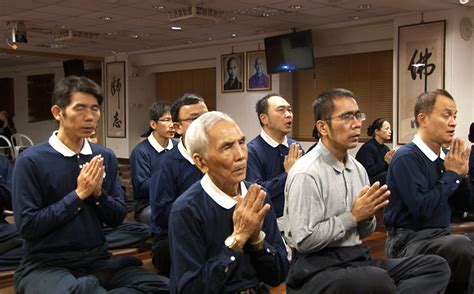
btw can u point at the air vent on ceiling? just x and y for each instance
(70, 35)
(196, 15)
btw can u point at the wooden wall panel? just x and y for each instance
(172, 85)
(367, 75)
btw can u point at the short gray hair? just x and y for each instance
(196, 134)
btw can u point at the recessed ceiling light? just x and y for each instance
(134, 36)
(190, 42)
(114, 52)
(365, 6)
(463, 2)
(159, 7)
(265, 14)
(295, 6)
(209, 39)
(106, 18)
(355, 18)
(176, 28)
(234, 35)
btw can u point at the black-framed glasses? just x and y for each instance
(349, 116)
(167, 120)
(189, 120)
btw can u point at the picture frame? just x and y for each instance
(258, 78)
(421, 68)
(232, 72)
(116, 99)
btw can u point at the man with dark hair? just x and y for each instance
(272, 153)
(146, 155)
(425, 182)
(175, 173)
(330, 207)
(223, 233)
(63, 190)
(233, 69)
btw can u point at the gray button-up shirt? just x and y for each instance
(319, 194)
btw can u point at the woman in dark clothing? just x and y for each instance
(7, 127)
(374, 155)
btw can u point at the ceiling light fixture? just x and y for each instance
(295, 6)
(159, 7)
(365, 6)
(234, 35)
(463, 2)
(176, 28)
(355, 18)
(106, 18)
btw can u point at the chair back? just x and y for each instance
(7, 146)
(20, 142)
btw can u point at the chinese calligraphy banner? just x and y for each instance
(115, 95)
(421, 51)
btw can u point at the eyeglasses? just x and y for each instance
(189, 120)
(165, 120)
(349, 116)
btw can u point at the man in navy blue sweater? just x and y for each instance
(145, 157)
(64, 189)
(175, 173)
(425, 182)
(223, 233)
(272, 153)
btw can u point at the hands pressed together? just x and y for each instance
(369, 200)
(457, 159)
(89, 181)
(249, 213)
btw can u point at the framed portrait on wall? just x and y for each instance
(421, 52)
(115, 96)
(258, 78)
(232, 72)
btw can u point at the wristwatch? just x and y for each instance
(231, 243)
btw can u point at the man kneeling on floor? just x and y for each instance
(63, 190)
(330, 207)
(223, 235)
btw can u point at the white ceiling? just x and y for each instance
(148, 21)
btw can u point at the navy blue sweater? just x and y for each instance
(201, 261)
(371, 155)
(48, 213)
(265, 167)
(174, 175)
(143, 161)
(422, 191)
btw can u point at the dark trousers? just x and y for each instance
(85, 272)
(128, 234)
(457, 250)
(160, 253)
(419, 274)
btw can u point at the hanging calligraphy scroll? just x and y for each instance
(115, 95)
(421, 51)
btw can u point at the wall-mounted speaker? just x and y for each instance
(74, 67)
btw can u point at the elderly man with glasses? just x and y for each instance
(174, 175)
(146, 155)
(329, 208)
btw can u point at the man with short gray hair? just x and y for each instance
(222, 231)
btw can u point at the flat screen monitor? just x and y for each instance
(289, 52)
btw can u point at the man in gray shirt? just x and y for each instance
(329, 208)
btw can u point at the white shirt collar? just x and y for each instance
(64, 150)
(426, 150)
(272, 142)
(184, 152)
(157, 145)
(218, 195)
